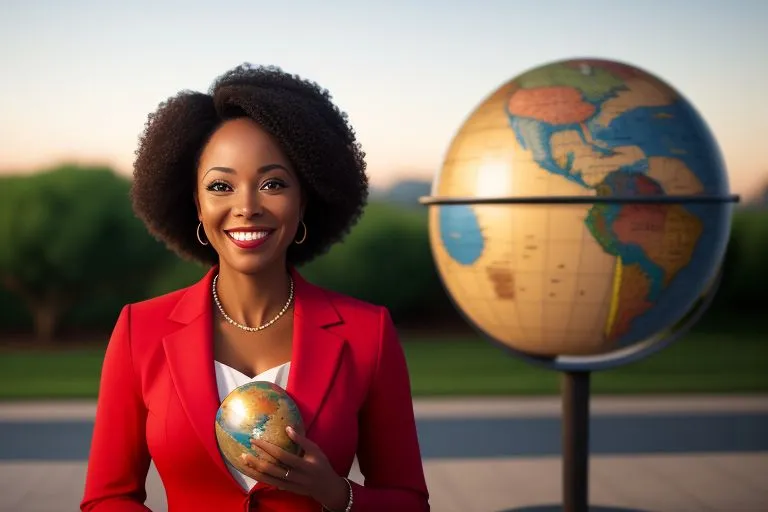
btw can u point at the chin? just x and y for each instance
(247, 266)
(251, 264)
(269, 256)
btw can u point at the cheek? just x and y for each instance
(287, 207)
(200, 201)
(211, 208)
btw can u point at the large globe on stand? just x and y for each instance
(564, 274)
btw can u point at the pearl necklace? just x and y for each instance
(245, 327)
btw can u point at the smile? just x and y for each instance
(243, 236)
(248, 239)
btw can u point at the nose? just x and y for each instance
(248, 204)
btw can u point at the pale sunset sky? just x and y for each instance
(79, 77)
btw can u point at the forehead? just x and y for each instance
(241, 144)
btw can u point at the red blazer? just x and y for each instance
(158, 400)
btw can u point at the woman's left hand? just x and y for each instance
(310, 475)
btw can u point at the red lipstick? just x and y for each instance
(249, 237)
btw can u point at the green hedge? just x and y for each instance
(387, 260)
(745, 271)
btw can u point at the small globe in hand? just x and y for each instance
(256, 410)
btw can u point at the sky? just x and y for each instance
(80, 77)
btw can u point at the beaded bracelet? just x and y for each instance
(350, 498)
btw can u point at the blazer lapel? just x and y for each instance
(316, 350)
(189, 352)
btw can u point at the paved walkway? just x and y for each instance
(649, 454)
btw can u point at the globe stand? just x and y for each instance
(575, 440)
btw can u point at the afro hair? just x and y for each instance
(314, 134)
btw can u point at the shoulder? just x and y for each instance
(356, 312)
(367, 327)
(375, 347)
(360, 309)
(143, 325)
(159, 306)
(158, 315)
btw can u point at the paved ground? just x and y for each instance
(659, 454)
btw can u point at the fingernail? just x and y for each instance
(290, 430)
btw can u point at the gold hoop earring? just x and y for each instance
(299, 242)
(199, 238)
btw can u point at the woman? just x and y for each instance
(255, 178)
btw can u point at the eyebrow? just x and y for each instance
(261, 170)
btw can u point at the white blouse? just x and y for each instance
(227, 379)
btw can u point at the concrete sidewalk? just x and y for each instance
(479, 407)
(699, 480)
(696, 483)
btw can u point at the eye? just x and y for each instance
(218, 186)
(273, 184)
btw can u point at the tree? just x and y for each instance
(67, 234)
(387, 260)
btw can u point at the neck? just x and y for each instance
(253, 299)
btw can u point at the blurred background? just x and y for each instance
(79, 79)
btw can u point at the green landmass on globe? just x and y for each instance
(580, 279)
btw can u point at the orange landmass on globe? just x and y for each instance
(630, 299)
(554, 105)
(674, 176)
(667, 234)
(639, 92)
(681, 234)
(593, 166)
(503, 281)
(255, 402)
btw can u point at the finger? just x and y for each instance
(308, 445)
(263, 467)
(284, 457)
(262, 471)
(284, 485)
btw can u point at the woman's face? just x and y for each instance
(248, 197)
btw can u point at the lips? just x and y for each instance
(249, 238)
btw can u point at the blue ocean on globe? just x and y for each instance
(460, 233)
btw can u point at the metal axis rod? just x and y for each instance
(655, 199)
(575, 441)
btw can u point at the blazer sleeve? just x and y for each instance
(388, 450)
(119, 458)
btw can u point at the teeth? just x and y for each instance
(246, 236)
